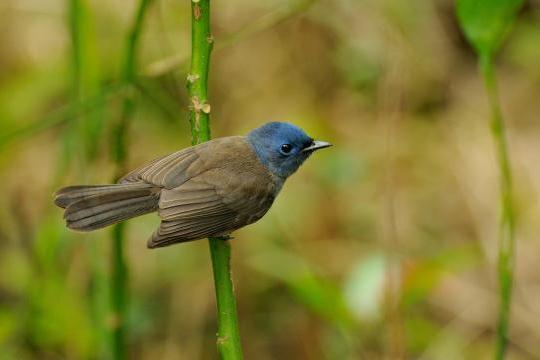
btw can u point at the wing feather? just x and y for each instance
(214, 211)
(166, 171)
(207, 190)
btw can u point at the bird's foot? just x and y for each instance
(225, 237)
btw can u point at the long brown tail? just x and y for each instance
(96, 206)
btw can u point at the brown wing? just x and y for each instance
(161, 170)
(214, 203)
(171, 171)
(208, 190)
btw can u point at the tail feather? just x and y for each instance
(93, 207)
(71, 194)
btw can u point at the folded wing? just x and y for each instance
(214, 203)
(208, 190)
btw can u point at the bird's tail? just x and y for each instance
(91, 207)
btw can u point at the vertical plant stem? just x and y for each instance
(86, 82)
(228, 341)
(74, 138)
(80, 144)
(197, 80)
(507, 216)
(119, 293)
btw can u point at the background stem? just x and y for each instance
(80, 148)
(507, 219)
(228, 341)
(119, 266)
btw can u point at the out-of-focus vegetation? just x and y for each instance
(384, 246)
(485, 24)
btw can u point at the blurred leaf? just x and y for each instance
(425, 274)
(50, 241)
(342, 168)
(421, 331)
(8, 324)
(58, 314)
(26, 96)
(17, 264)
(420, 278)
(364, 288)
(359, 68)
(61, 115)
(524, 50)
(486, 22)
(320, 296)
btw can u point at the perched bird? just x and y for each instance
(207, 190)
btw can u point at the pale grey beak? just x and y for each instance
(316, 145)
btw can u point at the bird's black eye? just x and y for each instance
(286, 148)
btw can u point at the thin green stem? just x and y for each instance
(80, 143)
(228, 341)
(508, 217)
(87, 82)
(119, 291)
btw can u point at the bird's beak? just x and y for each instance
(316, 145)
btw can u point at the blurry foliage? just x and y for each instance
(400, 214)
(485, 23)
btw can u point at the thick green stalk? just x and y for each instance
(507, 217)
(119, 296)
(228, 337)
(228, 341)
(197, 80)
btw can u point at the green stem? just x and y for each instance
(80, 144)
(86, 77)
(508, 217)
(228, 341)
(119, 293)
(201, 47)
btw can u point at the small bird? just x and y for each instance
(207, 190)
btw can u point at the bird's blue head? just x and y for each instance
(283, 147)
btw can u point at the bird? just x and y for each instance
(206, 190)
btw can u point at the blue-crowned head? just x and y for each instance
(283, 147)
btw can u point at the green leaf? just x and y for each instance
(319, 295)
(364, 288)
(485, 23)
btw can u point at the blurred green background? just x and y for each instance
(383, 246)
